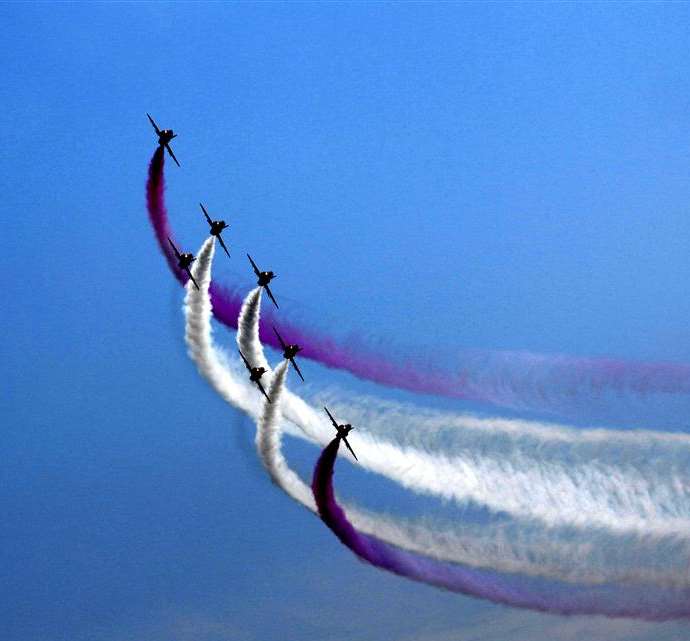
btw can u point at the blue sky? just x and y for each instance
(495, 176)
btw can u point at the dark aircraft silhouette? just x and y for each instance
(289, 352)
(217, 226)
(184, 261)
(164, 138)
(343, 431)
(255, 374)
(264, 279)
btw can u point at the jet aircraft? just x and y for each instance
(264, 279)
(164, 138)
(255, 374)
(184, 261)
(289, 352)
(343, 431)
(217, 226)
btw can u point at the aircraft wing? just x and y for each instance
(292, 360)
(270, 295)
(177, 253)
(282, 342)
(349, 448)
(205, 213)
(158, 131)
(222, 244)
(246, 362)
(191, 277)
(263, 391)
(331, 417)
(256, 269)
(172, 155)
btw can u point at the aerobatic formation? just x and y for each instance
(578, 521)
(520, 380)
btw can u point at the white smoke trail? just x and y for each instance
(558, 476)
(487, 546)
(225, 375)
(269, 446)
(524, 549)
(247, 325)
(199, 336)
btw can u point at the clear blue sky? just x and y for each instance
(509, 176)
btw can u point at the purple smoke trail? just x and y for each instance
(158, 214)
(516, 380)
(227, 303)
(525, 592)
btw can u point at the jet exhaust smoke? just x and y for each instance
(223, 375)
(531, 548)
(268, 443)
(550, 468)
(548, 596)
(607, 600)
(158, 214)
(247, 330)
(490, 377)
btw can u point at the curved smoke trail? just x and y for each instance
(268, 443)
(248, 324)
(518, 474)
(524, 547)
(497, 377)
(553, 597)
(610, 600)
(218, 371)
(536, 552)
(220, 374)
(158, 214)
(199, 338)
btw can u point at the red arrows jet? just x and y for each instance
(255, 374)
(264, 279)
(343, 431)
(164, 138)
(217, 226)
(289, 352)
(184, 261)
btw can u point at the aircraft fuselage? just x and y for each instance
(217, 226)
(344, 430)
(265, 278)
(165, 136)
(185, 260)
(256, 373)
(290, 351)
